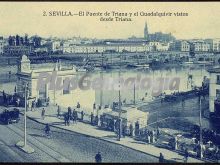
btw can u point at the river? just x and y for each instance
(108, 96)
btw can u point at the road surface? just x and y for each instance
(64, 146)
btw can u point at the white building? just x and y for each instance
(200, 46)
(100, 48)
(54, 46)
(182, 46)
(62, 97)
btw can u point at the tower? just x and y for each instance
(24, 65)
(145, 31)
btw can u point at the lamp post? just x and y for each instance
(134, 95)
(200, 124)
(23, 144)
(119, 105)
(25, 113)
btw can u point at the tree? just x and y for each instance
(10, 41)
(17, 38)
(21, 40)
(26, 40)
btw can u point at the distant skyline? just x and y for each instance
(26, 17)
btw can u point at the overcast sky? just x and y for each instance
(26, 17)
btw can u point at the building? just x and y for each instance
(161, 37)
(200, 46)
(17, 50)
(1, 45)
(183, 46)
(41, 49)
(157, 36)
(108, 47)
(214, 44)
(63, 97)
(214, 91)
(54, 46)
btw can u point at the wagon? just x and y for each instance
(10, 116)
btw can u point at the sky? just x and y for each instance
(203, 20)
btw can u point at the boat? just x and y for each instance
(187, 94)
(141, 66)
(188, 62)
(203, 62)
(81, 70)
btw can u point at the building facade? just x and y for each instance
(214, 90)
(182, 46)
(115, 47)
(200, 46)
(17, 50)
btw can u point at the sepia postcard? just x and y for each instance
(110, 82)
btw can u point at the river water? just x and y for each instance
(107, 96)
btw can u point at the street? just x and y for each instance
(64, 146)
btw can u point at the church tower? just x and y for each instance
(145, 31)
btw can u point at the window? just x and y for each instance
(218, 79)
(66, 87)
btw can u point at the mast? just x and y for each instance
(119, 105)
(134, 95)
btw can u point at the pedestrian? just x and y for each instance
(131, 130)
(76, 116)
(92, 116)
(78, 105)
(65, 119)
(136, 128)
(101, 120)
(153, 136)
(96, 120)
(43, 114)
(94, 106)
(161, 158)
(9, 74)
(48, 101)
(69, 110)
(73, 116)
(33, 105)
(4, 96)
(148, 137)
(68, 119)
(82, 115)
(158, 132)
(58, 111)
(98, 158)
(124, 130)
(186, 155)
(17, 102)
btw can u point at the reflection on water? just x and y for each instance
(197, 73)
(108, 96)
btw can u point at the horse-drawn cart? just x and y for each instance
(10, 116)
